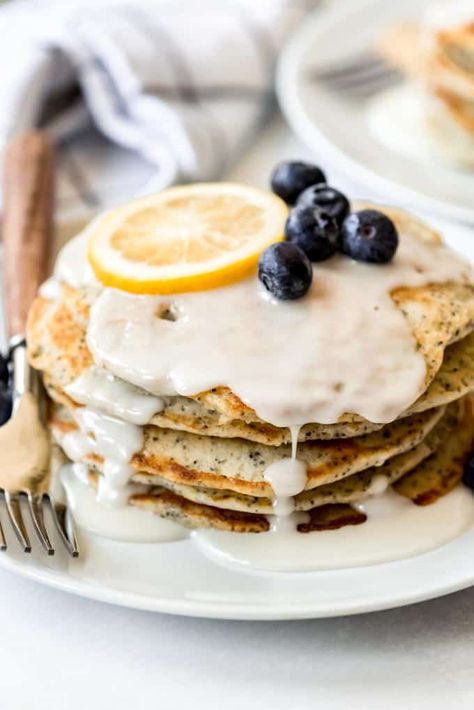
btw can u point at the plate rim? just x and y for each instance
(230, 611)
(287, 76)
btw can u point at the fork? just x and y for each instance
(25, 448)
(359, 76)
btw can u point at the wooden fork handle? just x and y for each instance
(27, 223)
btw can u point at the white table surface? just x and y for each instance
(62, 652)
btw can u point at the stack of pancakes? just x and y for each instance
(440, 53)
(204, 457)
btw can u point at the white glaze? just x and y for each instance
(124, 523)
(101, 390)
(378, 485)
(115, 441)
(395, 529)
(50, 289)
(345, 347)
(76, 445)
(287, 478)
(72, 266)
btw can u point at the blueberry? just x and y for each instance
(468, 475)
(314, 231)
(327, 198)
(5, 403)
(4, 372)
(369, 235)
(285, 271)
(291, 177)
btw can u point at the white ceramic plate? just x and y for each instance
(176, 578)
(336, 128)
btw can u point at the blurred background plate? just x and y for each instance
(336, 128)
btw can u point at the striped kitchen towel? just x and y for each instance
(140, 93)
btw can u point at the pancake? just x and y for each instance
(183, 414)
(240, 465)
(193, 515)
(454, 380)
(461, 111)
(166, 504)
(352, 488)
(441, 61)
(451, 65)
(441, 472)
(439, 314)
(445, 61)
(372, 481)
(56, 337)
(450, 123)
(431, 479)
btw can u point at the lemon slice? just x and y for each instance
(186, 238)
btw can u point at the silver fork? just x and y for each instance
(25, 460)
(25, 449)
(357, 77)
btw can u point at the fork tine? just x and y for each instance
(71, 534)
(16, 519)
(62, 522)
(3, 540)
(374, 85)
(35, 505)
(364, 79)
(364, 88)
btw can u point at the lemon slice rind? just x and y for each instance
(239, 261)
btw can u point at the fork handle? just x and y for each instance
(27, 223)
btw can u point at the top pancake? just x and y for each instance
(438, 315)
(453, 380)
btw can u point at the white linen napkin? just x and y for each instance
(140, 93)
